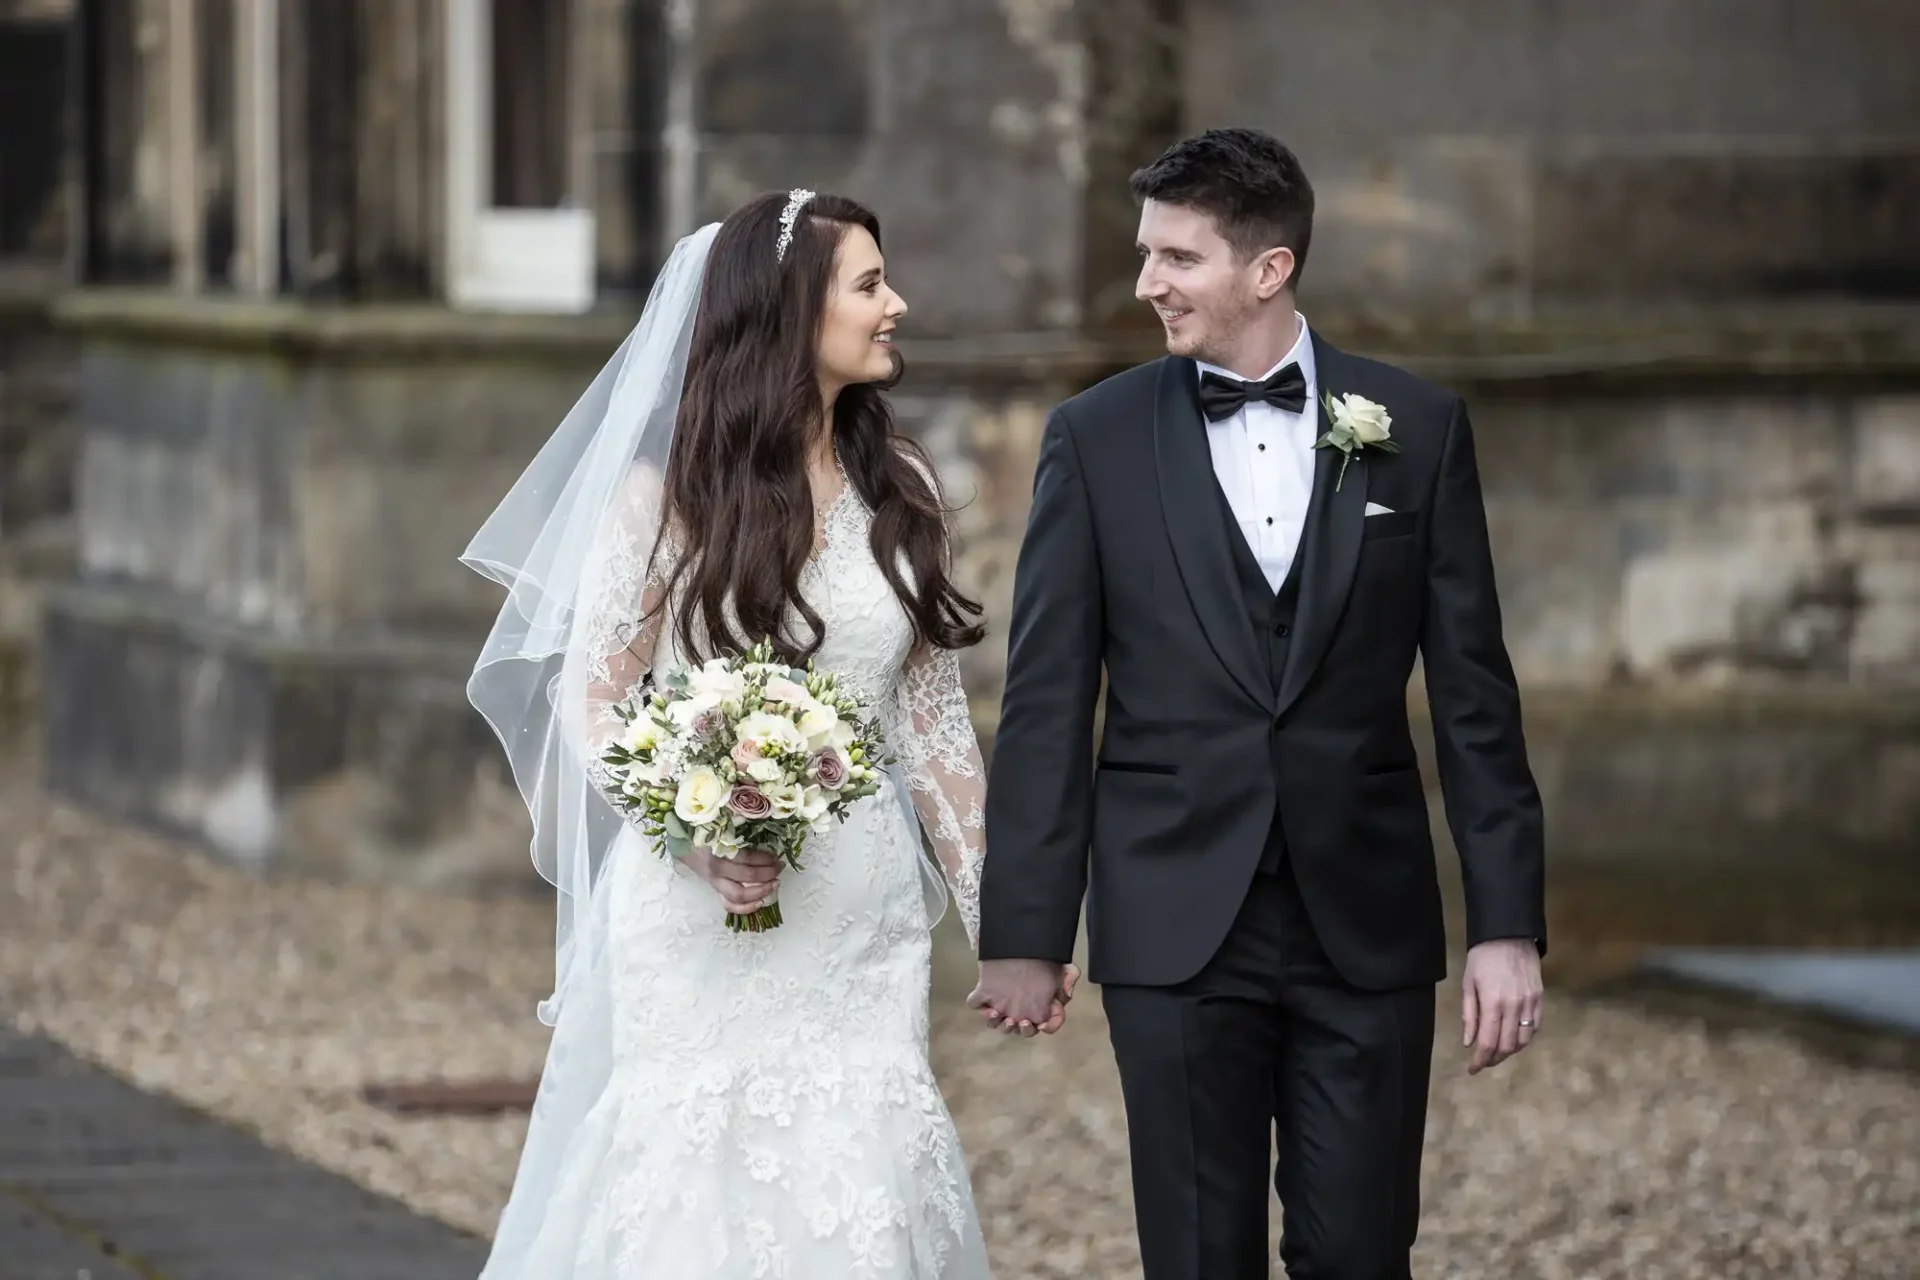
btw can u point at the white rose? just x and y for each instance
(764, 771)
(843, 736)
(816, 723)
(781, 689)
(1369, 422)
(690, 708)
(701, 797)
(716, 681)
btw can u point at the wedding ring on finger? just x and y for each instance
(1528, 1023)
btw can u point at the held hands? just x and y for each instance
(745, 884)
(1024, 997)
(1500, 1001)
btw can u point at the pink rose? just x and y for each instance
(780, 689)
(830, 770)
(749, 803)
(745, 752)
(708, 723)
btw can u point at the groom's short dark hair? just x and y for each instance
(1248, 180)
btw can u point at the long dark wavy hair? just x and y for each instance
(737, 493)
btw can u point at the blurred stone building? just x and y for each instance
(290, 290)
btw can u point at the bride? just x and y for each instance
(719, 1104)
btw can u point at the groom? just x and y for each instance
(1252, 538)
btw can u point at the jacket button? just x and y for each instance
(1281, 630)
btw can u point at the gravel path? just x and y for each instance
(1622, 1145)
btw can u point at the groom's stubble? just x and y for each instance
(1221, 335)
(1190, 268)
(1218, 322)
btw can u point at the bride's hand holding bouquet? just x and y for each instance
(740, 760)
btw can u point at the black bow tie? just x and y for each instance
(1221, 398)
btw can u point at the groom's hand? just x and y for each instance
(1500, 1000)
(1024, 996)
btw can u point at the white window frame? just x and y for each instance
(184, 196)
(256, 70)
(522, 260)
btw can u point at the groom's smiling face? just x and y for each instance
(1204, 293)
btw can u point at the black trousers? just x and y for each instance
(1267, 1044)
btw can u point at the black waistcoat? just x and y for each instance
(1270, 613)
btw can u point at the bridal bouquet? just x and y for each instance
(742, 753)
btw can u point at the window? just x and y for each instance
(520, 231)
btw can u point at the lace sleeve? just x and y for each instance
(934, 738)
(622, 620)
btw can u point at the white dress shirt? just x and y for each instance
(1263, 456)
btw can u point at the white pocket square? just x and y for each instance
(1375, 509)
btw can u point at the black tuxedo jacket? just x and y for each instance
(1126, 568)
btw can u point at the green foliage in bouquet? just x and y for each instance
(743, 753)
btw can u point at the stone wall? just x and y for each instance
(1479, 159)
(267, 640)
(37, 440)
(1707, 563)
(976, 128)
(1748, 535)
(1714, 590)
(38, 446)
(1516, 156)
(1706, 528)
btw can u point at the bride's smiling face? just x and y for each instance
(856, 328)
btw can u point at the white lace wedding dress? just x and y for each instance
(771, 1112)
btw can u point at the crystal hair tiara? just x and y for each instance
(796, 201)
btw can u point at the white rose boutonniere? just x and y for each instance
(1355, 423)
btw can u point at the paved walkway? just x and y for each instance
(99, 1181)
(1878, 989)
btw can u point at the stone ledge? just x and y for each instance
(1708, 777)
(1848, 343)
(287, 750)
(384, 334)
(1727, 707)
(1876, 989)
(127, 607)
(356, 757)
(1614, 350)
(1653, 706)
(27, 295)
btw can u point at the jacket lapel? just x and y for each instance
(1189, 502)
(1330, 543)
